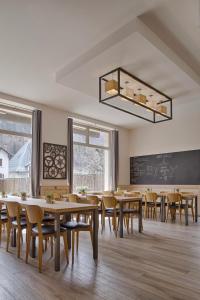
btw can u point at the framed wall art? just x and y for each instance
(54, 161)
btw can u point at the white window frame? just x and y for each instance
(87, 144)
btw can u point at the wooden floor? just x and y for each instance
(161, 263)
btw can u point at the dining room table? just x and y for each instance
(58, 209)
(186, 197)
(122, 200)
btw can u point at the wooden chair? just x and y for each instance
(73, 198)
(110, 210)
(3, 219)
(76, 227)
(107, 193)
(16, 222)
(174, 202)
(190, 203)
(131, 210)
(151, 204)
(35, 228)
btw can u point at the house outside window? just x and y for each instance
(91, 158)
(15, 151)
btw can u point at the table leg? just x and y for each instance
(121, 229)
(140, 228)
(13, 238)
(186, 212)
(33, 248)
(57, 242)
(196, 208)
(69, 235)
(162, 209)
(95, 233)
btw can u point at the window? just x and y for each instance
(15, 151)
(91, 158)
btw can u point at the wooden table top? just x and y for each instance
(118, 198)
(57, 207)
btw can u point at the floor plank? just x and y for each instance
(162, 263)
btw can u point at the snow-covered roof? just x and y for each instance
(22, 159)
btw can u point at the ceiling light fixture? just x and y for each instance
(139, 98)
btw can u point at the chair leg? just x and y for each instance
(51, 246)
(19, 233)
(73, 236)
(132, 224)
(66, 246)
(40, 253)
(77, 241)
(28, 241)
(8, 235)
(192, 208)
(127, 224)
(109, 223)
(0, 231)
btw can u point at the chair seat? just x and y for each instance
(23, 223)
(47, 229)
(75, 225)
(111, 210)
(3, 218)
(130, 210)
(48, 218)
(4, 211)
(152, 204)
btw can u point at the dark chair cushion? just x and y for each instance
(129, 210)
(4, 211)
(3, 218)
(23, 223)
(46, 229)
(75, 225)
(48, 218)
(110, 211)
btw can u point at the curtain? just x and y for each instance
(36, 152)
(70, 154)
(114, 159)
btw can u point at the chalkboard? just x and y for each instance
(167, 168)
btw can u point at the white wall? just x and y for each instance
(178, 134)
(54, 130)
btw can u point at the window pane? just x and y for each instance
(15, 168)
(16, 123)
(90, 168)
(79, 134)
(99, 138)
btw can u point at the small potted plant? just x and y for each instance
(82, 190)
(49, 198)
(23, 196)
(3, 194)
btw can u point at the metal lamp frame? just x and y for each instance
(118, 70)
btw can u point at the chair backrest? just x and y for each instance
(73, 198)
(151, 197)
(92, 199)
(109, 202)
(133, 194)
(118, 193)
(35, 214)
(108, 193)
(13, 209)
(173, 197)
(56, 196)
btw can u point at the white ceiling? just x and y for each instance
(52, 52)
